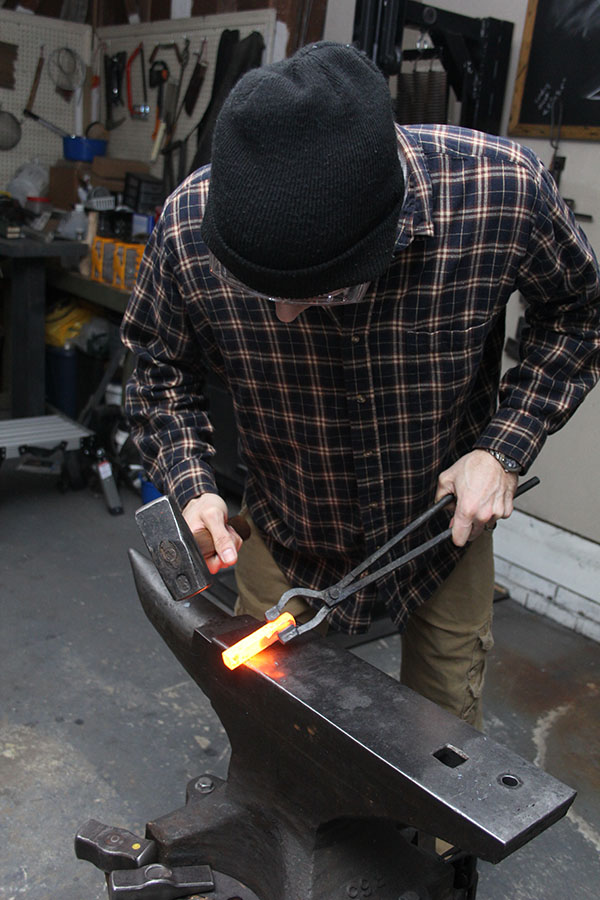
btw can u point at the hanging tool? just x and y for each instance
(67, 70)
(352, 582)
(184, 57)
(114, 67)
(178, 149)
(10, 130)
(174, 151)
(171, 116)
(166, 119)
(170, 45)
(196, 81)
(158, 77)
(49, 125)
(139, 111)
(166, 132)
(557, 163)
(95, 83)
(36, 80)
(8, 59)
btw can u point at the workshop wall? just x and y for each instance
(133, 138)
(28, 33)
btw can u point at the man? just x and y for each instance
(347, 278)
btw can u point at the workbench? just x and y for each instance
(104, 295)
(28, 259)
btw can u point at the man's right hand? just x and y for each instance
(210, 511)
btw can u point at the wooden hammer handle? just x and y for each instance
(36, 81)
(204, 539)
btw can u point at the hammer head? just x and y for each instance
(172, 547)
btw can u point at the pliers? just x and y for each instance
(351, 583)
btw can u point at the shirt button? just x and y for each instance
(361, 398)
(355, 339)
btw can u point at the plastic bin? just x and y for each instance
(61, 379)
(143, 193)
(126, 263)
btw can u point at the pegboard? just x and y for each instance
(133, 138)
(29, 33)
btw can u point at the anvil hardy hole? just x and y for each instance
(451, 756)
(509, 781)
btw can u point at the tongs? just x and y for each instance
(352, 582)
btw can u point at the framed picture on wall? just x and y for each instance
(557, 88)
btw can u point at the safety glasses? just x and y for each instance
(353, 294)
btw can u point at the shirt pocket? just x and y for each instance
(439, 371)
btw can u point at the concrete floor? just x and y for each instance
(98, 719)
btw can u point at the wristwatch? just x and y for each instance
(509, 465)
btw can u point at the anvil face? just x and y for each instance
(318, 735)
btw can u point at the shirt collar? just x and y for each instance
(415, 215)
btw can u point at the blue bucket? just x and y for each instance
(83, 149)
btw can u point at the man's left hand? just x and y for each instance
(484, 493)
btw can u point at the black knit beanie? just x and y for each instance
(306, 185)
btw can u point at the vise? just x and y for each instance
(339, 780)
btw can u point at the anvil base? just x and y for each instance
(343, 859)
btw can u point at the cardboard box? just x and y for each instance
(110, 173)
(65, 178)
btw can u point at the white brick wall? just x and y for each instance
(550, 571)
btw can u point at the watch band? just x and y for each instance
(509, 465)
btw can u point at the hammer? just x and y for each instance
(177, 553)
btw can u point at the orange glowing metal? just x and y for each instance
(263, 637)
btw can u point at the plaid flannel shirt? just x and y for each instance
(347, 415)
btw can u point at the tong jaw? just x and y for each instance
(293, 631)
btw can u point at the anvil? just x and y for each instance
(335, 770)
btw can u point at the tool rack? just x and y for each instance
(132, 139)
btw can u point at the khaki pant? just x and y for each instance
(446, 640)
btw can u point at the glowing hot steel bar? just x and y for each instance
(263, 637)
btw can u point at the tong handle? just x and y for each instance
(348, 586)
(422, 548)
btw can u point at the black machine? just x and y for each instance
(474, 52)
